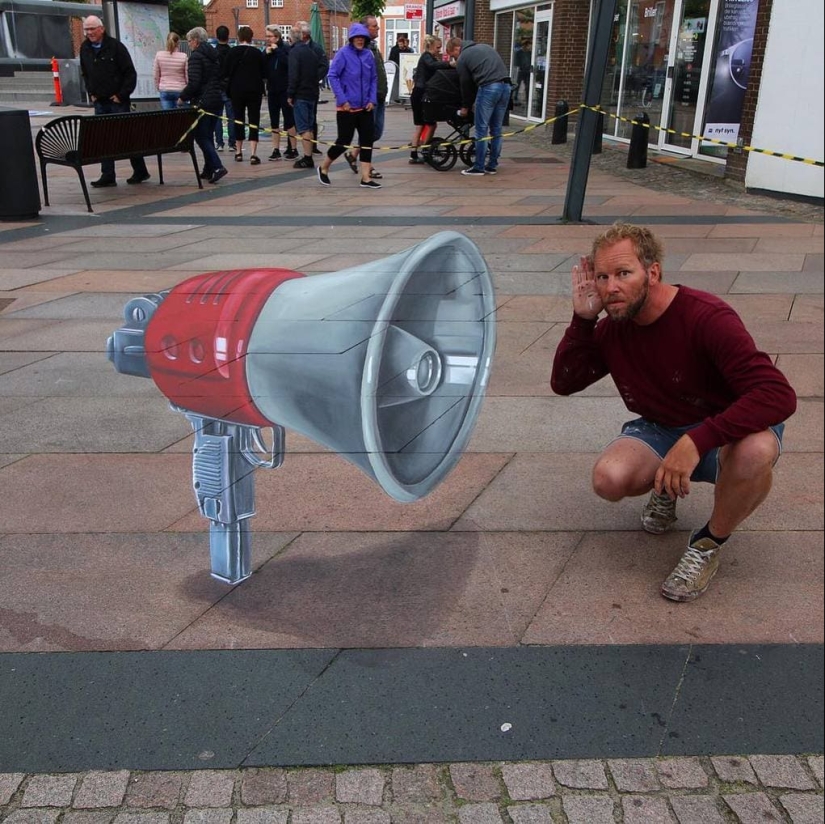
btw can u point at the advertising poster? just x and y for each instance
(733, 62)
(142, 28)
(406, 68)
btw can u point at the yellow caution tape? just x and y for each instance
(532, 126)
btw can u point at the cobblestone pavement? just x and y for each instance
(759, 788)
(692, 178)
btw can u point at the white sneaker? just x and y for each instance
(694, 571)
(659, 514)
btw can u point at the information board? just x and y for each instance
(142, 28)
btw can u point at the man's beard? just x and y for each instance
(629, 310)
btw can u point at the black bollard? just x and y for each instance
(597, 137)
(637, 154)
(560, 123)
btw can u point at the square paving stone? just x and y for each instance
(56, 336)
(92, 425)
(806, 373)
(10, 361)
(389, 590)
(746, 262)
(75, 374)
(11, 278)
(804, 429)
(761, 307)
(108, 592)
(775, 281)
(96, 493)
(794, 502)
(788, 337)
(609, 593)
(808, 308)
(124, 282)
(87, 305)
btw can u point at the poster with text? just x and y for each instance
(733, 62)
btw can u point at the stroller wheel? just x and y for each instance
(441, 156)
(467, 152)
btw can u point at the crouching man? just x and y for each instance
(711, 406)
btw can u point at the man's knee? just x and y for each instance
(751, 458)
(611, 481)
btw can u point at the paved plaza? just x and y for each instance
(494, 653)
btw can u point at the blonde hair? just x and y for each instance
(429, 39)
(172, 42)
(273, 29)
(646, 245)
(245, 34)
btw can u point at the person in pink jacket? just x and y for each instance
(171, 75)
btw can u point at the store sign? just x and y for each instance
(413, 11)
(449, 11)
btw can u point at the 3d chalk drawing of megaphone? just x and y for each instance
(385, 363)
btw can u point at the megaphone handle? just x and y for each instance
(223, 476)
(230, 551)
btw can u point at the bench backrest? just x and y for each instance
(149, 132)
(115, 136)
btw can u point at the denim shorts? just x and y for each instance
(304, 111)
(661, 438)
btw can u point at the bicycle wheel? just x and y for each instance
(441, 156)
(467, 152)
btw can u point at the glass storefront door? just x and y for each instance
(541, 64)
(659, 49)
(691, 43)
(528, 43)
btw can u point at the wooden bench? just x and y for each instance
(79, 140)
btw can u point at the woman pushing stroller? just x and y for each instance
(428, 64)
(354, 81)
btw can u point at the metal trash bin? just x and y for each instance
(19, 195)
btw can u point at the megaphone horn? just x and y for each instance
(384, 363)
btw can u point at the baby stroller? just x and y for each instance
(441, 104)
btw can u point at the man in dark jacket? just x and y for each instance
(308, 66)
(402, 46)
(110, 78)
(204, 91)
(485, 88)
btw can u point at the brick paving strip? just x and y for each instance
(673, 790)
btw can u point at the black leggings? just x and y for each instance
(348, 122)
(239, 107)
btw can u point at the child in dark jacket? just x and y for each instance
(354, 81)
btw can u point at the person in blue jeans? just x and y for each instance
(485, 88)
(203, 91)
(110, 78)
